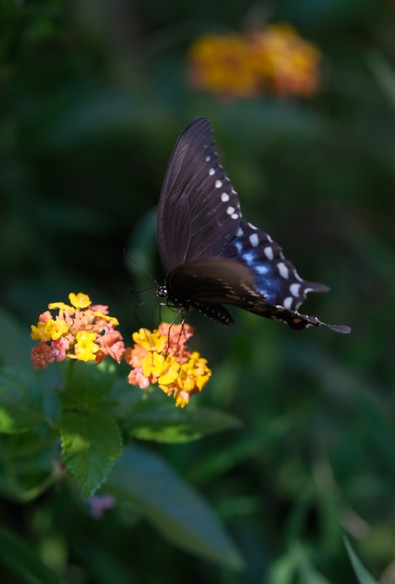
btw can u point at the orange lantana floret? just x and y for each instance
(82, 331)
(161, 357)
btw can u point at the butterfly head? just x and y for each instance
(161, 292)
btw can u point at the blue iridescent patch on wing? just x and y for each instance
(276, 277)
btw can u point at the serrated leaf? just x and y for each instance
(91, 443)
(360, 571)
(173, 425)
(23, 561)
(20, 401)
(175, 508)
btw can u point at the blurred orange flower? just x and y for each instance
(275, 61)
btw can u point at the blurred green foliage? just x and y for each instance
(93, 95)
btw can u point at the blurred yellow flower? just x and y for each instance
(275, 60)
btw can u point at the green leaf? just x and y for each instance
(87, 385)
(384, 73)
(308, 574)
(360, 571)
(23, 561)
(21, 405)
(171, 424)
(282, 571)
(91, 443)
(124, 397)
(176, 509)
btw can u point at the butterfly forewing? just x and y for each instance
(198, 210)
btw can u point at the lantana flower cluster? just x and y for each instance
(85, 331)
(161, 357)
(275, 60)
(82, 331)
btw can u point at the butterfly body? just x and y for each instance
(213, 257)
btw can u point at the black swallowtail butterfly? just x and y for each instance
(210, 255)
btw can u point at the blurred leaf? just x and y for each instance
(380, 432)
(124, 397)
(23, 561)
(142, 247)
(180, 514)
(15, 343)
(91, 443)
(245, 447)
(282, 571)
(170, 424)
(20, 401)
(360, 571)
(28, 465)
(384, 73)
(308, 574)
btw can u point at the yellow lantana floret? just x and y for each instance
(49, 330)
(85, 347)
(79, 300)
(150, 341)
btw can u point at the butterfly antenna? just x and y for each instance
(136, 308)
(143, 270)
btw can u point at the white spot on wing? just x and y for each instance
(254, 239)
(288, 302)
(230, 210)
(208, 158)
(211, 171)
(294, 289)
(282, 268)
(224, 197)
(268, 251)
(252, 226)
(240, 232)
(218, 184)
(235, 216)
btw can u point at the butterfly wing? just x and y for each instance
(207, 283)
(276, 277)
(199, 210)
(210, 255)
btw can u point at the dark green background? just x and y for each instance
(93, 96)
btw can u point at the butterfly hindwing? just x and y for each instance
(276, 277)
(207, 283)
